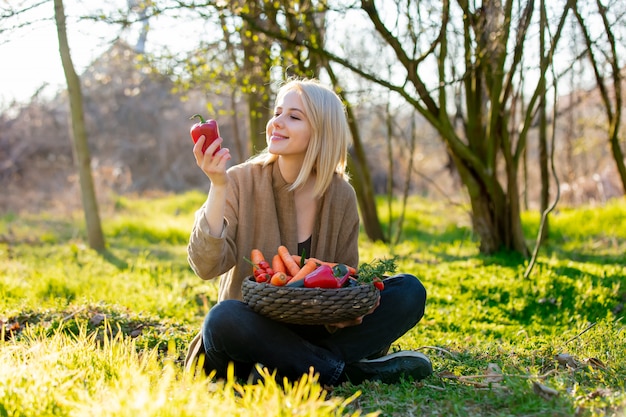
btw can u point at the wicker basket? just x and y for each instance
(309, 305)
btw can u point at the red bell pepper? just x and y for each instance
(208, 128)
(342, 273)
(322, 277)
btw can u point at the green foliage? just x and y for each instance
(61, 375)
(105, 334)
(144, 268)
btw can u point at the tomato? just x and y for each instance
(208, 128)
(263, 277)
(378, 283)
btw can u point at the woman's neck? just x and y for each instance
(289, 168)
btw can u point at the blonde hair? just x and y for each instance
(327, 153)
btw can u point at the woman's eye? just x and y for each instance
(294, 117)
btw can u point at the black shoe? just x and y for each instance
(390, 368)
(380, 353)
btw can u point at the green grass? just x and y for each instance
(105, 334)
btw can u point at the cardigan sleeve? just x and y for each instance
(211, 256)
(249, 222)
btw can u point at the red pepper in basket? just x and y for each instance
(322, 277)
(342, 273)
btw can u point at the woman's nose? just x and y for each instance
(277, 120)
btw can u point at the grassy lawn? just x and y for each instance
(88, 334)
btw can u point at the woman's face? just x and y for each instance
(289, 131)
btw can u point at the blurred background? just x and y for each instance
(479, 105)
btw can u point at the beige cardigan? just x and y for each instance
(260, 213)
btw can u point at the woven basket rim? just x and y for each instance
(346, 290)
(301, 305)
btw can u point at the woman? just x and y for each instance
(295, 193)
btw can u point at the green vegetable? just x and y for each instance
(342, 273)
(368, 272)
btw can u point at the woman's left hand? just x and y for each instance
(354, 322)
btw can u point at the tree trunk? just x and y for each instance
(239, 143)
(360, 174)
(618, 156)
(390, 164)
(256, 66)
(362, 182)
(79, 134)
(495, 214)
(259, 108)
(543, 126)
(258, 115)
(365, 197)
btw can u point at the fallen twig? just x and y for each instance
(581, 333)
(439, 349)
(71, 315)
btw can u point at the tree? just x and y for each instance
(357, 163)
(544, 200)
(492, 47)
(81, 148)
(487, 42)
(309, 25)
(244, 61)
(361, 179)
(607, 80)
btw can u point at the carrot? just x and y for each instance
(290, 264)
(277, 264)
(351, 269)
(256, 256)
(279, 279)
(308, 267)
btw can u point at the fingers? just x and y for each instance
(197, 147)
(213, 161)
(348, 323)
(375, 305)
(358, 320)
(214, 146)
(211, 154)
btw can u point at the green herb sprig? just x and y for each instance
(376, 269)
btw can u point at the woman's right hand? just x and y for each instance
(214, 166)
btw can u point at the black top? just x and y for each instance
(305, 247)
